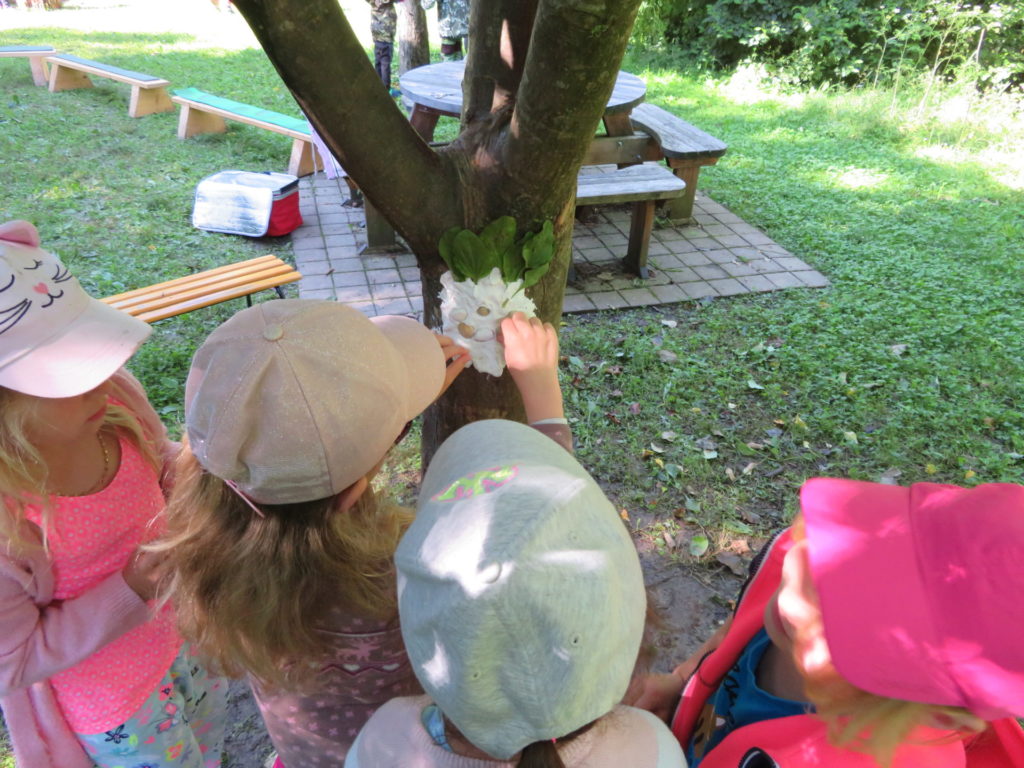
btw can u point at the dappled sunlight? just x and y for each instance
(749, 85)
(860, 178)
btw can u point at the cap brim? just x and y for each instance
(877, 615)
(424, 360)
(89, 352)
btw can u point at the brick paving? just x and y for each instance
(718, 254)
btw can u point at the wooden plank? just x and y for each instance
(99, 69)
(639, 182)
(36, 55)
(216, 298)
(198, 279)
(200, 107)
(635, 148)
(677, 138)
(239, 283)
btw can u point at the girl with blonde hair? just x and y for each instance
(90, 674)
(875, 632)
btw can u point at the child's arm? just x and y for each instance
(39, 641)
(531, 354)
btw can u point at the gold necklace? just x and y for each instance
(106, 466)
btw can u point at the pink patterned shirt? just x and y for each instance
(91, 537)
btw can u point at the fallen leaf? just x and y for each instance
(930, 469)
(851, 438)
(605, 276)
(799, 423)
(753, 384)
(707, 443)
(889, 476)
(755, 446)
(657, 448)
(699, 545)
(898, 349)
(730, 474)
(749, 468)
(692, 505)
(733, 562)
(667, 356)
(669, 323)
(624, 514)
(669, 540)
(668, 436)
(710, 455)
(614, 370)
(634, 408)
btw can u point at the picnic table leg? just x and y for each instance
(380, 235)
(424, 121)
(640, 237)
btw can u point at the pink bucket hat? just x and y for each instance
(920, 589)
(294, 400)
(55, 339)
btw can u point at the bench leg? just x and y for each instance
(148, 101)
(302, 161)
(64, 79)
(192, 122)
(39, 74)
(380, 235)
(640, 237)
(680, 210)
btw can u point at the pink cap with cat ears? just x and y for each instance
(55, 339)
(919, 589)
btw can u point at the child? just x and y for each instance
(883, 611)
(522, 607)
(89, 674)
(383, 19)
(282, 555)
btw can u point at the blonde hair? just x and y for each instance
(251, 590)
(23, 472)
(862, 721)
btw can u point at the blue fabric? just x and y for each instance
(433, 721)
(739, 701)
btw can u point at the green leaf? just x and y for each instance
(474, 258)
(500, 233)
(512, 264)
(446, 248)
(699, 545)
(538, 249)
(533, 276)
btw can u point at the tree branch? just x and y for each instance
(318, 56)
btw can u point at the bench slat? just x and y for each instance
(105, 70)
(639, 182)
(184, 294)
(676, 136)
(243, 113)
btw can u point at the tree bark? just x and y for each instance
(413, 43)
(538, 76)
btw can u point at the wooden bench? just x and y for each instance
(685, 148)
(36, 55)
(203, 112)
(643, 185)
(149, 94)
(175, 297)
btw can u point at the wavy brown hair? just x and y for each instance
(251, 591)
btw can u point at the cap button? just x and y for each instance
(273, 332)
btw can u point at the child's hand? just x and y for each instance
(143, 573)
(658, 694)
(457, 358)
(531, 354)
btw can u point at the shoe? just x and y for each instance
(273, 761)
(395, 92)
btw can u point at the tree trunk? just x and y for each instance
(538, 76)
(413, 44)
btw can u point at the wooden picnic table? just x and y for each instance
(436, 89)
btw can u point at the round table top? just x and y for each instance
(439, 86)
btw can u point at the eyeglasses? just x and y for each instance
(404, 432)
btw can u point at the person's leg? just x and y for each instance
(382, 61)
(451, 48)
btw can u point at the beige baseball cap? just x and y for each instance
(294, 400)
(55, 339)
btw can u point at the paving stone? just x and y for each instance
(720, 255)
(336, 228)
(705, 243)
(704, 218)
(669, 294)
(698, 290)
(378, 276)
(347, 264)
(715, 229)
(728, 287)
(757, 283)
(315, 282)
(681, 246)
(682, 275)
(746, 254)
(639, 297)
(394, 307)
(352, 293)
(694, 259)
(387, 291)
(333, 241)
(588, 241)
(333, 218)
(728, 218)
(738, 268)
(577, 303)
(764, 266)
(310, 267)
(410, 274)
(405, 260)
(378, 262)
(742, 228)
(310, 252)
(785, 280)
(654, 248)
(315, 293)
(757, 238)
(349, 279)
(711, 272)
(791, 263)
(730, 240)
(812, 278)
(774, 249)
(607, 300)
(614, 241)
(667, 235)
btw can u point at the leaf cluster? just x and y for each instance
(472, 256)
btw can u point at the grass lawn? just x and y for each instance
(701, 418)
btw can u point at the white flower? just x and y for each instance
(471, 314)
